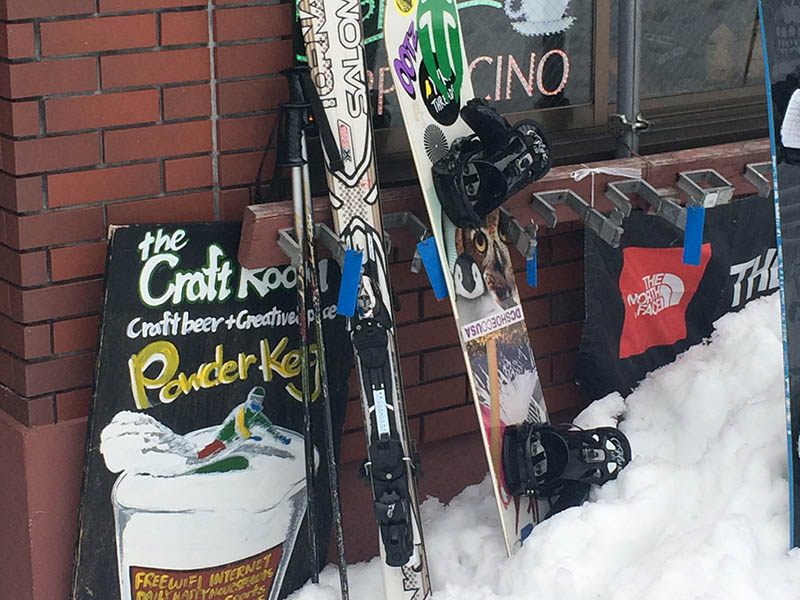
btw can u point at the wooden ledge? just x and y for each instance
(261, 222)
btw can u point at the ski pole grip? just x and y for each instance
(295, 113)
(296, 95)
(293, 144)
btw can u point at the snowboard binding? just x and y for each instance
(539, 459)
(481, 171)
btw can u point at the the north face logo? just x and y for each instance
(656, 288)
(661, 290)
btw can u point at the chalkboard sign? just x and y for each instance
(194, 482)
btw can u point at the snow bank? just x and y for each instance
(702, 512)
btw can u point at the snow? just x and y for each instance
(702, 511)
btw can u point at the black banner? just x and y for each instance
(194, 483)
(644, 306)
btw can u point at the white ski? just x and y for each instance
(333, 36)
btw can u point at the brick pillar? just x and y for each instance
(106, 115)
(106, 119)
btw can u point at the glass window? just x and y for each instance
(556, 61)
(690, 46)
(524, 54)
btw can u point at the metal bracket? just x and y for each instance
(619, 123)
(760, 175)
(622, 204)
(544, 209)
(409, 221)
(322, 233)
(522, 238)
(289, 245)
(608, 228)
(329, 239)
(717, 190)
(663, 206)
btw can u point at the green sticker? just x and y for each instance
(440, 45)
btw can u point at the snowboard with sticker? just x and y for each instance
(334, 47)
(779, 23)
(425, 51)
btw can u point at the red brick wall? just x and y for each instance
(106, 119)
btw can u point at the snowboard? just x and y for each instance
(333, 36)
(425, 52)
(782, 70)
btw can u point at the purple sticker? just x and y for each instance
(404, 65)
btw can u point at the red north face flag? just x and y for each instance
(656, 288)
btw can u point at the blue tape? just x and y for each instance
(525, 532)
(693, 236)
(433, 267)
(530, 269)
(351, 278)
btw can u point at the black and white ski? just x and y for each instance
(333, 36)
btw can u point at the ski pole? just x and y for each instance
(313, 283)
(295, 111)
